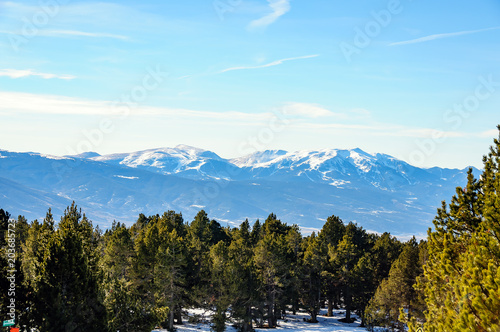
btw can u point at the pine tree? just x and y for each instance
(461, 277)
(294, 241)
(242, 277)
(271, 261)
(330, 235)
(397, 291)
(121, 304)
(5, 264)
(310, 277)
(199, 240)
(160, 268)
(345, 257)
(170, 276)
(256, 232)
(34, 254)
(68, 296)
(220, 280)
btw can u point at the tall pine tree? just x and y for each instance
(461, 280)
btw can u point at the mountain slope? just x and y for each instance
(378, 191)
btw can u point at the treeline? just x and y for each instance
(74, 277)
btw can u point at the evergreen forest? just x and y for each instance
(72, 276)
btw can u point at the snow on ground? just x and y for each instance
(291, 323)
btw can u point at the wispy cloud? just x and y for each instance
(274, 63)
(279, 7)
(307, 110)
(69, 33)
(20, 102)
(56, 33)
(440, 36)
(489, 133)
(384, 129)
(16, 73)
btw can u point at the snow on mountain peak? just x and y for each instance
(86, 155)
(379, 191)
(258, 159)
(188, 148)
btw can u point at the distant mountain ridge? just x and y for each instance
(378, 191)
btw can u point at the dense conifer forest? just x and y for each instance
(72, 276)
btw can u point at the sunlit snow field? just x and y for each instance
(291, 323)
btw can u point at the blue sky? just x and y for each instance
(419, 80)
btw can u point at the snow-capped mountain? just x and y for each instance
(378, 191)
(183, 160)
(339, 168)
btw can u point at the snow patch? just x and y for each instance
(339, 183)
(126, 177)
(292, 323)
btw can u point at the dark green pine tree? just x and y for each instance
(310, 276)
(397, 291)
(330, 235)
(160, 268)
(256, 232)
(23, 295)
(170, 277)
(35, 252)
(124, 313)
(345, 257)
(272, 265)
(68, 294)
(220, 285)
(242, 277)
(372, 268)
(199, 240)
(292, 285)
(4, 264)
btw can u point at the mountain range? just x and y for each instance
(379, 192)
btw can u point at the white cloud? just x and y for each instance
(17, 102)
(384, 129)
(489, 133)
(274, 63)
(306, 110)
(16, 73)
(279, 7)
(361, 113)
(56, 33)
(441, 35)
(51, 104)
(69, 33)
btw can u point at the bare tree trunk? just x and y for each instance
(270, 315)
(314, 316)
(178, 316)
(348, 300)
(261, 315)
(171, 320)
(247, 321)
(270, 310)
(330, 307)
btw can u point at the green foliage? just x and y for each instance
(345, 259)
(397, 291)
(219, 260)
(310, 277)
(134, 278)
(461, 280)
(66, 283)
(242, 277)
(271, 257)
